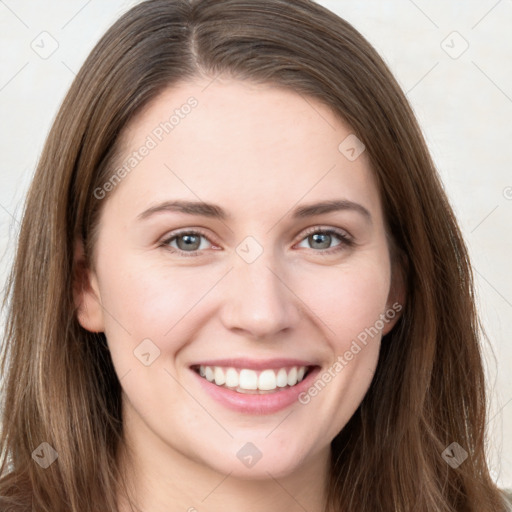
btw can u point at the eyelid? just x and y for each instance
(343, 233)
(185, 231)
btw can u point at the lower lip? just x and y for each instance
(257, 404)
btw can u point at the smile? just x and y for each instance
(249, 381)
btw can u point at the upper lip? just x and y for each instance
(255, 364)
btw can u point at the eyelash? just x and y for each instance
(346, 241)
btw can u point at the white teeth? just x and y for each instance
(267, 380)
(248, 379)
(282, 378)
(292, 377)
(209, 374)
(220, 378)
(251, 380)
(232, 379)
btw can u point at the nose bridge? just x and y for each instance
(258, 299)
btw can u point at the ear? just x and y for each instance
(397, 294)
(86, 292)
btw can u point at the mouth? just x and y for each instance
(257, 387)
(254, 381)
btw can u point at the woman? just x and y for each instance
(187, 346)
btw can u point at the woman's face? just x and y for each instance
(244, 323)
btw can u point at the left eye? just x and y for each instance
(188, 243)
(324, 237)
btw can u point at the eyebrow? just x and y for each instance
(216, 212)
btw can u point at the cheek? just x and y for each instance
(351, 306)
(152, 301)
(349, 301)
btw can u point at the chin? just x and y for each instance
(258, 460)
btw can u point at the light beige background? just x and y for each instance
(462, 97)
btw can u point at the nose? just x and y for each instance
(258, 300)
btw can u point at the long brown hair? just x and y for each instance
(60, 385)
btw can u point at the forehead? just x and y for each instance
(240, 144)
